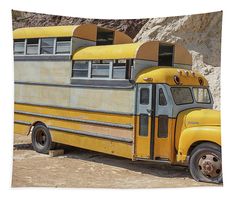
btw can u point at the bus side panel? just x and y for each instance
(62, 121)
(92, 143)
(94, 99)
(43, 72)
(81, 126)
(164, 146)
(142, 149)
(76, 113)
(21, 129)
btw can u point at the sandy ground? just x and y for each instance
(85, 169)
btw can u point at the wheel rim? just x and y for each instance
(41, 138)
(210, 165)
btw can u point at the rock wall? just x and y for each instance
(28, 19)
(200, 34)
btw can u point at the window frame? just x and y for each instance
(24, 47)
(24, 53)
(77, 77)
(70, 46)
(160, 90)
(144, 103)
(38, 46)
(97, 62)
(128, 64)
(53, 47)
(109, 64)
(208, 91)
(143, 127)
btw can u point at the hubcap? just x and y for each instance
(41, 137)
(210, 165)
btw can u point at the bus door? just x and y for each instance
(164, 124)
(144, 147)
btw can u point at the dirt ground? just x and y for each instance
(85, 169)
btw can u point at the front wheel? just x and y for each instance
(41, 139)
(205, 163)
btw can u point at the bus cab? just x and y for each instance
(93, 88)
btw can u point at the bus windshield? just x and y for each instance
(182, 95)
(201, 95)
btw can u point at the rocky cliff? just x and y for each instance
(200, 34)
(27, 19)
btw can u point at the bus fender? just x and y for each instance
(192, 135)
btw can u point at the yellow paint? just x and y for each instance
(195, 118)
(140, 50)
(166, 75)
(142, 142)
(164, 147)
(72, 113)
(21, 129)
(113, 131)
(197, 134)
(92, 143)
(118, 51)
(84, 31)
(49, 31)
(203, 117)
(196, 125)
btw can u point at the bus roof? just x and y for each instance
(84, 31)
(166, 75)
(140, 50)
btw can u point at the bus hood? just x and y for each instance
(202, 117)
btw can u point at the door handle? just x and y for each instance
(150, 111)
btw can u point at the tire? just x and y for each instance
(41, 139)
(205, 163)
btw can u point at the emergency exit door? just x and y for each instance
(145, 121)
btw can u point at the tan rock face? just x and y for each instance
(28, 19)
(200, 34)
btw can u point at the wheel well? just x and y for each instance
(195, 144)
(34, 124)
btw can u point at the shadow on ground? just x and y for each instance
(145, 167)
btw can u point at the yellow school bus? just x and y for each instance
(93, 88)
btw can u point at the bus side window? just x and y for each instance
(143, 124)
(32, 46)
(162, 98)
(47, 46)
(19, 46)
(80, 69)
(122, 69)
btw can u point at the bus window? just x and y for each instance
(162, 98)
(144, 96)
(122, 69)
(19, 46)
(100, 69)
(32, 46)
(47, 46)
(63, 45)
(165, 55)
(143, 125)
(162, 126)
(104, 37)
(119, 69)
(80, 69)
